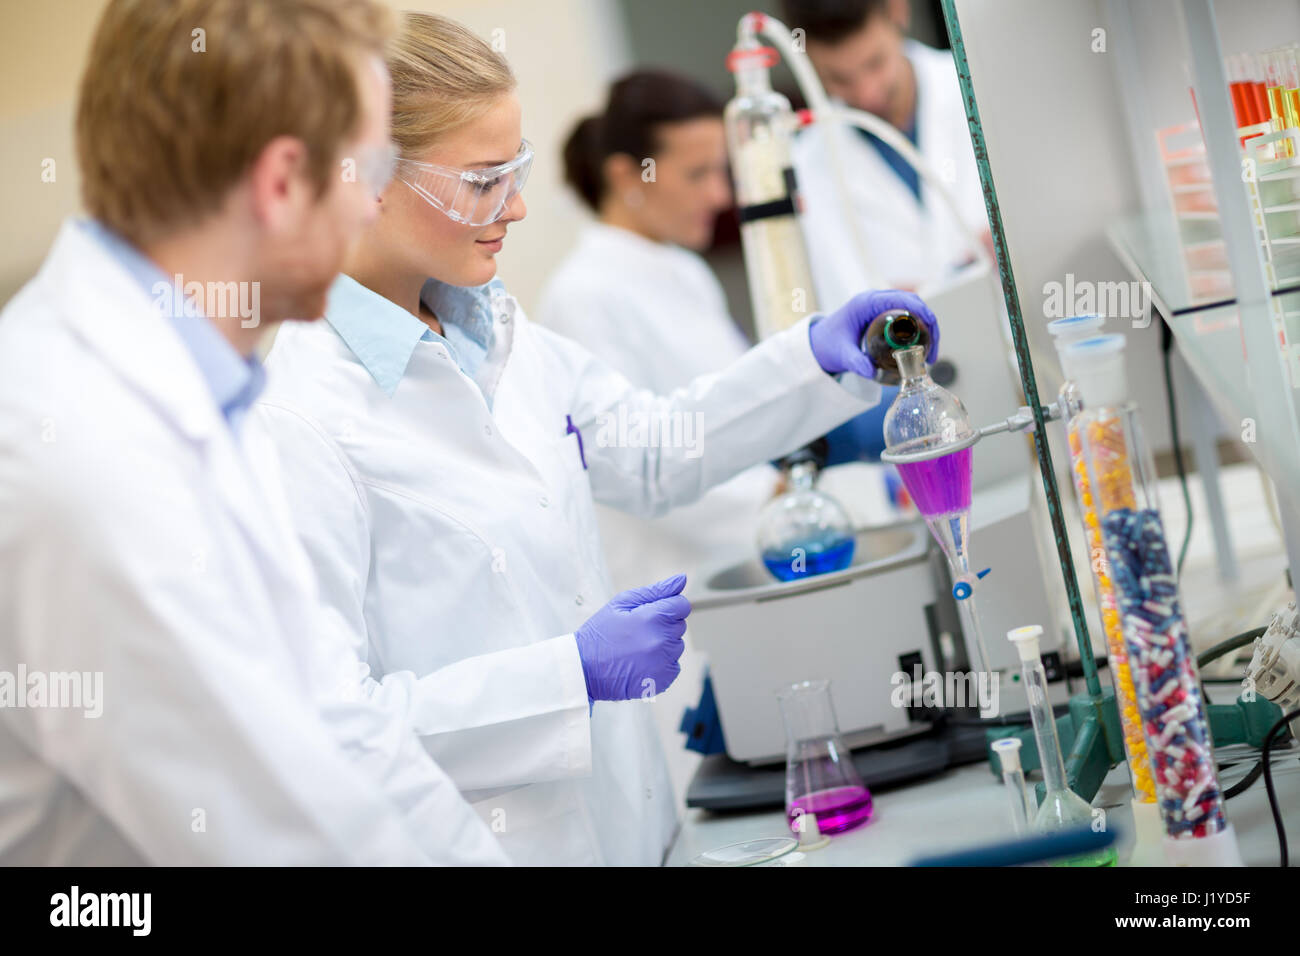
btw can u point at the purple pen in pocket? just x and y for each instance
(573, 430)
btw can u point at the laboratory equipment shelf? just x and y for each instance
(1157, 254)
(1227, 288)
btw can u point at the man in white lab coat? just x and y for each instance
(906, 233)
(177, 695)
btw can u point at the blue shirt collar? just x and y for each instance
(383, 335)
(235, 382)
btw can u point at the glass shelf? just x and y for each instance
(1210, 337)
(1187, 269)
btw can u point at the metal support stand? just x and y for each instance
(1100, 741)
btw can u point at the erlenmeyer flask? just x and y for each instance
(819, 775)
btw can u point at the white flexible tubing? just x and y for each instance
(901, 144)
(823, 110)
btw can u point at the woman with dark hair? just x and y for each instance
(653, 168)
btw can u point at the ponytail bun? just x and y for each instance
(583, 157)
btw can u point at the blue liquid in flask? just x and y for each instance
(807, 558)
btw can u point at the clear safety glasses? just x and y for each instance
(475, 197)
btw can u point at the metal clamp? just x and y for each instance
(1021, 421)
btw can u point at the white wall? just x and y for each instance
(42, 48)
(1062, 164)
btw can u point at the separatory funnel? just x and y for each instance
(1062, 808)
(929, 437)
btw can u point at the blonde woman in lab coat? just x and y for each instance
(446, 455)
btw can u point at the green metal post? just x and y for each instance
(1021, 344)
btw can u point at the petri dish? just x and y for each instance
(749, 853)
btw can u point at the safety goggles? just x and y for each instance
(475, 197)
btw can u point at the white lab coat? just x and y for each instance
(656, 313)
(460, 542)
(907, 244)
(136, 541)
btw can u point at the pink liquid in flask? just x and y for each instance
(939, 486)
(837, 810)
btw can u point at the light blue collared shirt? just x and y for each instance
(383, 335)
(235, 382)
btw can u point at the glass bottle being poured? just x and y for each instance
(887, 334)
(929, 437)
(804, 531)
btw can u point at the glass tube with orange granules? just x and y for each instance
(1146, 816)
(1122, 479)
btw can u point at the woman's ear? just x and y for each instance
(622, 173)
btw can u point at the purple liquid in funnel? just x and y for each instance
(939, 486)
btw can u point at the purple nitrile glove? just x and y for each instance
(632, 644)
(836, 339)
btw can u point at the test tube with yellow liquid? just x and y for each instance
(1291, 83)
(1283, 107)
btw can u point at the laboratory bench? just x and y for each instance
(967, 806)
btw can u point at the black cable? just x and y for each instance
(1231, 644)
(1268, 783)
(1242, 785)
(1074, 668)
(1009, 720)
(1166, 346)
(1217, 651)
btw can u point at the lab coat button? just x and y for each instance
(544, 501)
(578, 600)
(487, 429)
